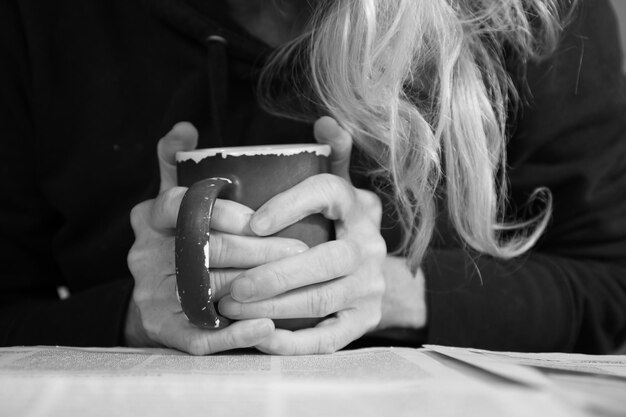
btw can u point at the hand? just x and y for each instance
(341, 280)
(404, 302)
(155, 317)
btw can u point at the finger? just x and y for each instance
(326, 194)
(182, 137)
(234, 251)
(327, 130)
(308, 302)
(327, 337)
(231, 217)
(227, 250)
(222, 278)
(319, 264)
(140, 216)
(183, 336)
(164, 210)
(228, 216)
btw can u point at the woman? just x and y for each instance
(428, 92)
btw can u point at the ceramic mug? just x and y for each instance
(250, 176)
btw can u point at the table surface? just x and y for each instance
(435, 381)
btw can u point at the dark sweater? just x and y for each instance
(87, 87)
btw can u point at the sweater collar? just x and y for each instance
(226, 43)
(205, 19)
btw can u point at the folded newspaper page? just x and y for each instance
(596, 383)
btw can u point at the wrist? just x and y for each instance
(404, 302)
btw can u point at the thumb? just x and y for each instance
(182, 137)
(327, 130)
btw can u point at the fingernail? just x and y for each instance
(179, 132)
(260, 224)
(242, 289)
(295, 249)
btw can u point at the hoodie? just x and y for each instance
(87, 87)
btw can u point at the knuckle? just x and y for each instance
(167, 203)
(138, 215)
(232, 339)
(321, 302)
(372, 203)
(134, 258)
(197, 346)
(329, 343)
(287, 199)
(270, 252)
(218, 249)
(272, 282)
(337, 195)
(332, 183)
(230, 216)
(150, 256)
(347, 256)
(221, 280)
(279, 282)
(272, 310)
(377, 247)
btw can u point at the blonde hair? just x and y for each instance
(422, 87)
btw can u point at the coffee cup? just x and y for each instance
(250, 176)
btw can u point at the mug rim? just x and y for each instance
(278, 149)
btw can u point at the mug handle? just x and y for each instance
(193, 279)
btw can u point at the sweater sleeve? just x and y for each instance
(569, 292)
(31, 312)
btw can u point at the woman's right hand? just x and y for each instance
(155, 317)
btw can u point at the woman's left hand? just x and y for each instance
(341, 281)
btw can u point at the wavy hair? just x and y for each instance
(422, 86)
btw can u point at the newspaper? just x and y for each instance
(596, 383)
(50, 381)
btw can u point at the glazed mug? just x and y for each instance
(250, 176)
